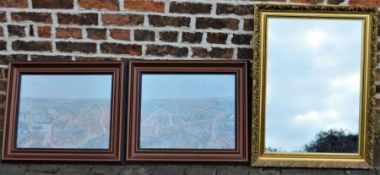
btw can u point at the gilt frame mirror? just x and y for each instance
(314, 86)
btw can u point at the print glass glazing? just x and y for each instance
(64, 111)
(188, 111)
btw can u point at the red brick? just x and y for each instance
(225, 53)
(44, 31)
(78, 19)
(50, 58)
(16, 30)
(241, 39)
(96, 34)
(68, 33)
(368, 3)
(120, 34)
(113, 48)
(191, 8)
(83, 47)
(217, 23)
(248, 24)
(30, 16)
(234, 9)
(245, 53)
(3, 17)
(146, 5)
(31, 45)
(53, 4)
(192, 37)
(161, 21)
(14, 3)
(122, 19)
(144, 35)
(169, 36)
(164, 50)
(217, 38)
(99, 4)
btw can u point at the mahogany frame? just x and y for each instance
(136, 68)
(113, 154)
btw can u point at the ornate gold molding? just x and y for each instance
(365, 159)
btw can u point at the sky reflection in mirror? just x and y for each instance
(313, 84)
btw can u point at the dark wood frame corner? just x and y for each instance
(238, 67)
(113, 154)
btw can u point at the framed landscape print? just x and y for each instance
(63, 111)
(314, 91)
(187, 111)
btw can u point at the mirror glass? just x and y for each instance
(188, 111)
(64, 111)
(313, 84)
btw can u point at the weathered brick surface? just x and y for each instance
(122, 19)
(370, 3)
(163, 50)
(53, 4)
(189, 37)
(191, 8)
(68, 33)
(241, 39)
(44, 31)
(14, 3)
(99, 4)
(49, 58)
(161, 21)
(16, 30)
(234, 9)
(121, 49)
(244, 53)
(217, 23)
(35, 17)
(31, 45)
(120, 34)
(248, 24)
(3, 17)
(217, 38)
(144, 35)
(213, 53)
(76, 47)
(146, 5)
(96, 34)
(169, 36)
(78, 19)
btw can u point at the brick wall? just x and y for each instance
(90, 30)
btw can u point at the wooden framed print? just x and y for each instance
(65, 111)
(188, 111)
(314, 91)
